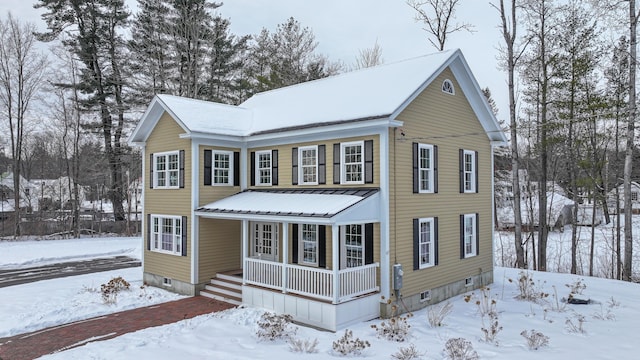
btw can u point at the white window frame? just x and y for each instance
(344, 164)
(167, 172)
(427, 239)
(214, 168)
(469, 171)
(261, 169)
(345, 246)
(470, 236)
(429, 169)
(447, 87)
(302, 166)
(157, 233)
(303, 231)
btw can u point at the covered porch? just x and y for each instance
(312, 249)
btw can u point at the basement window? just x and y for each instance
(468, 281)
(166, 282)
(425, 295)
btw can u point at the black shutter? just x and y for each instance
(294, 166)
(274, 167)
(236, 168)
(151, 165)
(461, 236)
(184, 236)
(294, 243)
(476, 171)
(435, 168)
(435, 241)
(477, 234)
(322, 164)
(336, 163)
(149, 231)
(368, 243)
(368, 162)
(181, 167)
(253, 168)
(208, 164)
(461, 154)
(322, 246)
(416, 244)
(416, 171)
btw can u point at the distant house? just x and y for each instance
(635, 198)
(325, 199)
(559, 207)
(7, 193)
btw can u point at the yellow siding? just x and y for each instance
(209, 193)
(447, 121)
(220, 247)
(168, 201)
(285, 162)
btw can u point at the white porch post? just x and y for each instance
(245, 246)
(336, 266)
(285, 254)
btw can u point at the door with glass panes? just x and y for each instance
(264, 240)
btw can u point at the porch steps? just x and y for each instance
(224, 287)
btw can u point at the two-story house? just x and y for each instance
(325, 199)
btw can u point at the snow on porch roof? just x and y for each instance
(321, 204)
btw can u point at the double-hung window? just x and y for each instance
(222, 167)
(166, 234)
(354, 241)
(469, 171)
(352, 162)
(309, 248)
(426, 168)
(426, 243)
(469, 229)
(263, 164)
(308, 157)
(166, 170)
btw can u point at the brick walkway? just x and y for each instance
(32, 345)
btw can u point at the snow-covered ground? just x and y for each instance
(610, 323)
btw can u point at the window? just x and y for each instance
(447, 87)
(308, 165)
(263, 164)
(634, 196)
(468, 171)
(354, 241)
(426, 243)
(425, 168)
(309, 248)
(469, 235)
(167, 234)
(352, 163)
(166, 170)
(222, 167)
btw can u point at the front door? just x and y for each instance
(265, 241)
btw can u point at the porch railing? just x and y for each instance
(313, 282)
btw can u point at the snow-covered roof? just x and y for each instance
(380, 92)
(323, 205)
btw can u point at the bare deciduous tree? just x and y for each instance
(369, 57)
(438, 18)
(22, 69)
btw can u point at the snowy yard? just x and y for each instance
(609, 324)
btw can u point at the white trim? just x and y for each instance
(230, 179)
(474, 238)
(275, 240)
(243, 168)
(175, 238)
(301, 242)
(194, 224)
(343, 163)
(166, 171)
(385, 257)
(301, 167)
(143, 221)
(473, 173)
(451, 90)
(430, 169)
(431, 241)
(257, 169)
(343, 244)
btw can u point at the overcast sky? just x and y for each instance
(344, 27)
